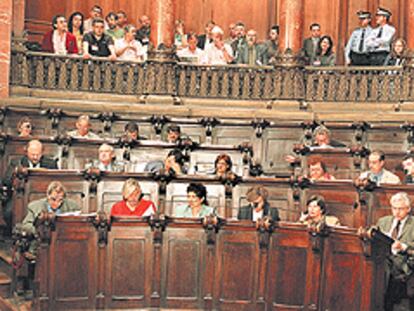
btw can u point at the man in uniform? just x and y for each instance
(356, 50)
(379, 40)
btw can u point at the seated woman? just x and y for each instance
(324, 54)
(316, 212)
(24, 127)
(258, 206)
(133, 203)
(223, 166)
(197, 203)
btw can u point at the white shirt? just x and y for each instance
(214, 56)
(257, 215)
(400, 230)
(130, 54)
(189, 56)
(59, 43)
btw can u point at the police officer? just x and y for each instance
(356, 53)
(380, 38)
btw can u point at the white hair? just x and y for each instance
(401, 196)
(217, 30)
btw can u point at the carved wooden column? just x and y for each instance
(162, 22)
(410, 24)
(291, 24)
(5, 45)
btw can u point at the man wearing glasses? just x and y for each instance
(400, 227)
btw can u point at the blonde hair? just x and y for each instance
(106, 146)
(129, 187)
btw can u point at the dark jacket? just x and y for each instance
(246, 212)
(45, 162)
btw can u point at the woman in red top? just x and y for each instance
(133, 203)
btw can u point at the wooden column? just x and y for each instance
(5, 45)
(18, 17)
(162, 16)
(410, 24)
(291, 24)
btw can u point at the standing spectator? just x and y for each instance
(143, 33)
(217, 53)
(191, 53)
(122, 19)
(240, 40)
(75, 27)
(97, 43)
(397, 55)
(113, 29)
(252, 53)
(324, 54)
(310, 45)
(95, 12)
(272, 44)
(24, 127)
(128, 48)
(205, 39)
(180, 39)
(380, 38)
(356, 49)
(232, 34)
(59, 40)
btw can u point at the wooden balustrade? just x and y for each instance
(88, 263)
(329, 84)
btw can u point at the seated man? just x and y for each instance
(318, 171)
(258, 206)
(34, 158)
(400, 227)
(59, 40)
(55, 202)
(82, 129)
(106, 160)
(173, 134)
(131, 131)
(97, 43)
(408, 165)
(322, 138)
(377, 173)
(133, 203)
(24, 127)
(173, 164)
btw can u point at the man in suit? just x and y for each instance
(377, 172)
(106, 160)
(400, 227)
(310, 45)
(252, 53)
(258, 206)
(205, 39)
(34, 158)
(55, 202)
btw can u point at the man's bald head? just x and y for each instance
(34, 151)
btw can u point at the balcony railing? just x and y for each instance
(328, 84)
